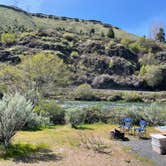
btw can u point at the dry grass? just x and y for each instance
(65, 148)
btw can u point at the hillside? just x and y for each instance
(9, 16)
(125, 61)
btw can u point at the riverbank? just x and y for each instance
(109, 95)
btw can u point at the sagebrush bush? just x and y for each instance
(51, 110)
(36, 121)
(74, 54)
(15, 111)
(8, 38)
(75, 117)
(155, 114)
(95, 115)
(68, 36)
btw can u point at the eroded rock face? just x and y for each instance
(98, 64)
(106, 81)
(6, 56)
(121, 66)
(121, 51)
(91, 47)
(160, 57)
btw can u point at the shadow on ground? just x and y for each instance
(84, 128)
(29, 153)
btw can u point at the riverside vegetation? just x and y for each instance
(40, 54)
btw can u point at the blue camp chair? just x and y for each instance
(142, 129)
(126, 124)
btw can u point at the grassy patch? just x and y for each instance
(21, 149)
(51, 144)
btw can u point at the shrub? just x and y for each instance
(111, 43)
(84, 92)
(74, 54)
(95, 143)
(14, 113)
(52, 111)
(143, 45)
(155, 114)
(142, 71)
(115, 97)
(132, 97)
(74, 117)
(95, 115)
(148, 59)
(153, 76)
(36, 122)
(68, 36)
(111, 33)
(125, 42)
(8, 38)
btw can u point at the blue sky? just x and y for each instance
(135, 16)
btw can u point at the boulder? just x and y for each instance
(6, 56)
(103, 81)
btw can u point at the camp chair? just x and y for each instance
(126, 124)
(142, 129)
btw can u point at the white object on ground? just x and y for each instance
(159, 143)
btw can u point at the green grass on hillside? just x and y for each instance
(9, 17)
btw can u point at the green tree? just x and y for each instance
(92, 32)
(40, 72)
(44, 72)
(160, 36)
(111, 33)
(102, 34)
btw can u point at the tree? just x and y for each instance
(102, 34)
(14, 113)
(92, 32)
(160, 36)
(111, 33)
(44, 72)
(154, 29)
(39, 72)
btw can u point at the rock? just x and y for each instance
(160, 57)
(98, 64)
(104, 81)
(91, 47)
(121, 51)
(121, 66)
(6, 56)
